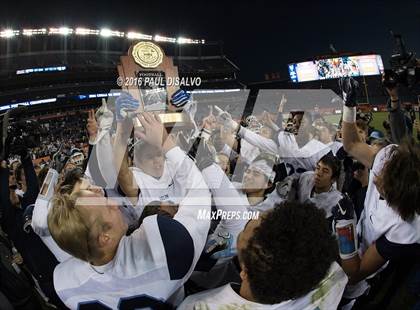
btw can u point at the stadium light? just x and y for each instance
(85, 31)
(62, 30)
(138, 36)
(8, 33)
(181, 40)
(30, 32)
(106, 33)
(65, 31)
(159, 38)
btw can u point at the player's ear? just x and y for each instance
(243, 274)
(104, 239)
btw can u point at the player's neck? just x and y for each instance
(320, 190)
(105, 259)
(245, 291)
(255, 198)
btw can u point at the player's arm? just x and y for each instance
(125, 176)
(344, 223)
(352, 142)
(358, 268)
(193, 189)
(264, 144)
(226, 198)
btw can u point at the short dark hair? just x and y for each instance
(333, 162)
(401, 180)
(70, 179)
(289, 253)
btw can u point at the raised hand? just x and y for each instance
(152, 130)
(125, 104)
(225, 119)
(348, 88)
(92, 125)
(104, 116)
(267, 120)
(283, 102)
(209, 122)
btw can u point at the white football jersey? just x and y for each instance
(151, 265)
(325, 296)
(153, 189)
(325, 201)
(248, 151)
(378, 218)
(300, 158)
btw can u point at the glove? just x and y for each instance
(124, 104)
(225, 119)
(344, 224)
(284, 187)
(220, 245)
(349, 88)
(104, 116)
(183, 142)
(202, 153)
(180, 98)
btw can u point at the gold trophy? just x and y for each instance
(144, 73)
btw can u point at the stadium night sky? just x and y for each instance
(259, 36)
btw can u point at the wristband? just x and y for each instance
(347, 238)
(349, 114)
(205, 134)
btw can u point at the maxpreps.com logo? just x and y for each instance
(147, 54)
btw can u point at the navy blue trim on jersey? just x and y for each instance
(92, 305)
(394, 251)
(179, 246)
(129, 303)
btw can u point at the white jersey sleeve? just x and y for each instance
(196, 197)
(264, 144)
(227, 199)
(228, 151)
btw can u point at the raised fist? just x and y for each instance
(349, 88)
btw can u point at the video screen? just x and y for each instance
(333, 68)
